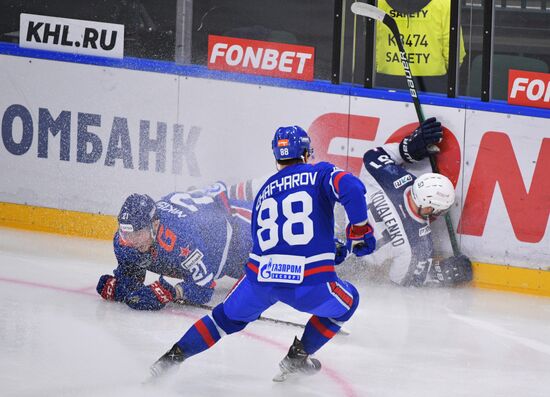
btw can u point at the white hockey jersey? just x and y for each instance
(403, 238)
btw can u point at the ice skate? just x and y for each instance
(297, 362)
(168, 362)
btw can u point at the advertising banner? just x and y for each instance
(529, 88)
(71, 35)
(261, 57)
(92, 135)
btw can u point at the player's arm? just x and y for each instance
(156, 295)
(129, 275)
(350, 192)
(189, 292)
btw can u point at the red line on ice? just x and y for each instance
(347, 388)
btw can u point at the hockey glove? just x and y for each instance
(421, 143)
(452, 271)
(195, 294)
(360, 239)
(153, 296)
(113, 289)
(341, 251)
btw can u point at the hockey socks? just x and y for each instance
(201, 336)
(319, 330)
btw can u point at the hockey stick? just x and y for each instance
(370, 11)
(261, 318)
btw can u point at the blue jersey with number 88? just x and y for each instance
(293, 223)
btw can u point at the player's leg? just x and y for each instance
(331, 304)
(243, 304)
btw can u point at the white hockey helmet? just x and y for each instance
(433, 190)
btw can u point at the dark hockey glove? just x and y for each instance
(195, 294)
(113, 289)
(153, 296)
(452, 271)
(360, 239)
(341, 251)
(421, 143)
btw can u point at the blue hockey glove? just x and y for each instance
(341, 251)
(421, 143)
(188, 292)
(113, 289)
(153, 296)
(360, 239)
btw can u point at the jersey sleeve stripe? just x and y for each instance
(240, 191)
(336, 180)
(243, 212)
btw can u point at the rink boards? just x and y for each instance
(78, 138)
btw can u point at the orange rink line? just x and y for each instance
(99, 226)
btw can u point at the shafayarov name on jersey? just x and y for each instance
(261, 57)
(284, 183)
(71, 35)
(281, 268)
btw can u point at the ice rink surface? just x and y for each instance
(59, 338)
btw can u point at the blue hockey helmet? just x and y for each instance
(290, 143)
(138, 212)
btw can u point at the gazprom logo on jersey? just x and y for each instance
(71, 35)
(282, 269)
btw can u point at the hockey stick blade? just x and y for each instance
(342, 330)
(367, 10)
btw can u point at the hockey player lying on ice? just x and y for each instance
(197, 236)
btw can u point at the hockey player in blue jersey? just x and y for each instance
(196, 236)
(292, 258)
(401, 207)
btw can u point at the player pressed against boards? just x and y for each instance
(202, 235)
(292, 259)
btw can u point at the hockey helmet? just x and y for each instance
(291, 143)
(137, 213)
(433, 190)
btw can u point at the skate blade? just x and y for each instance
(280, 377)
